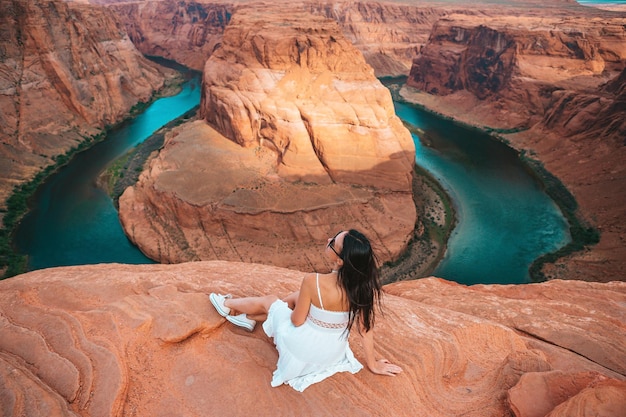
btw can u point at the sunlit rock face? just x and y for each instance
(518, 60)
(67, 71)
(144, 340)
(299, 140)
(552, 86)
(296, 86)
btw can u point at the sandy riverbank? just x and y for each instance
(435, 222)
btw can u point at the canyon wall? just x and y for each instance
(302, 141)
(185, 32)
(517, 62)
(553, 87)
(67, 71)
(389, 34)
(144, 340)
(550, 72)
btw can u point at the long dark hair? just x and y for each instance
(359, 277)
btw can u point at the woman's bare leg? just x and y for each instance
(290, 300)
(253, 307)
(257, 317)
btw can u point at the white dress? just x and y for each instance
(313, 351)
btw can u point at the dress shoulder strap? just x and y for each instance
(319, 294)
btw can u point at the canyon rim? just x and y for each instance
(137, 340)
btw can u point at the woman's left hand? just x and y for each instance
(384, 367)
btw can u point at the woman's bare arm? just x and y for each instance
(303, 303)
(378, 366)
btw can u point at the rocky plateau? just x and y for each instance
(129, 340)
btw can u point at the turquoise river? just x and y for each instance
(505, 220)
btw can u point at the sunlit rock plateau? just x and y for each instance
(121, 340)
(297, 140)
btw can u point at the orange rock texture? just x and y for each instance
(122, 340)
(295, 85)
(300, 141)
(67, 71)
(553, 87)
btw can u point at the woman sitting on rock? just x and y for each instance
(310, 327)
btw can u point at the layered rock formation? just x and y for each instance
(518, 62)
(67, 71)
(297, 87)
(113, 340)
(186, 32)
(558, 84)
(304, 142)
(389, 34)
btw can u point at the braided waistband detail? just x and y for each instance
(326, 324)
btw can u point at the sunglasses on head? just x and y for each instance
(331, 244)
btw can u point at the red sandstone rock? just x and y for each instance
(533, 308)
(185, 32)
(605, 399)
(144, 340)
(538, 394)
(389, 34)
(67, 70)
(516, 62)
(295, 85)
(557, 80)
(179, 212)
(308, 144)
